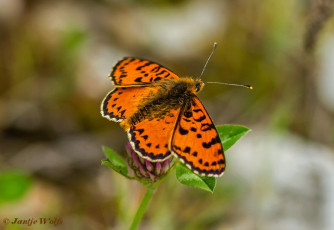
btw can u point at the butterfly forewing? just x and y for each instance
(135, 71)
(195, 141)
(150, 138)
(121, 103)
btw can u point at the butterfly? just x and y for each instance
(162, 116)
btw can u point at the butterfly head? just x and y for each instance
(198, 85)
(191, 85)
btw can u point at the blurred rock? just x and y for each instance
(182, 31)
(10, 10)
(290, 181)
(61, 158)
(326, 74)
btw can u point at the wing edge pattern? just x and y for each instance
(103, 108)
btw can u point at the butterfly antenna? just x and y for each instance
(222, 83)
(207, 61)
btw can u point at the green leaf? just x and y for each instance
(115, 162)
(229, 134)
(13, 185)
(187, 177)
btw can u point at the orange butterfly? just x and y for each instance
(163, 116)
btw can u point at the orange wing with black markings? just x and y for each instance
(151, 138)
(122, 102)
(196, 142)
(135, 72)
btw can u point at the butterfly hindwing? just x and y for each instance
(150, 138)
(196, 142)
(122, 102)
(135, 71)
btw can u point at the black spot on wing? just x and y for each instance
(164, 71)
(188, 114)
(200, 119)
(186, 120)
(138, 79)
(183, 131)
(176, 147)
(186, 149)
(156, 69)
(210, 143)
(207, 127)
(140, 131)
(206, 144)
(221, 161)
(122, 113)
(147, 64)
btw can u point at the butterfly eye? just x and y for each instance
(198, 87)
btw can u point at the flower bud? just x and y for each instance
(145, 169)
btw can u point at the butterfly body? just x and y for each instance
(171, 94)
(163, 116)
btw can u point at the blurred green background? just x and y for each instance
(55, 57)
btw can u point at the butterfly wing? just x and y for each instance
(151, 138)
(137, 72)
(196, 142)
(122, 102)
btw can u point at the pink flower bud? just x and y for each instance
(158, 168)
(165, 166)
(145, 169)
(149, 165)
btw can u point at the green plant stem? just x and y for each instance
(150, 190)
(142, 208)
